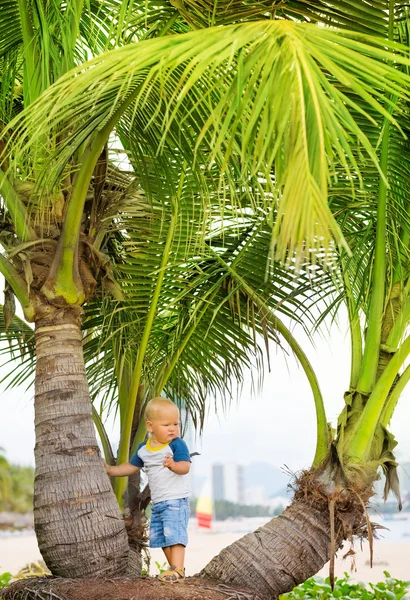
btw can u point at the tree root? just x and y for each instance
(232, 593)
(123, 588)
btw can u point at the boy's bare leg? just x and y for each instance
(177, 553)
(167, 552)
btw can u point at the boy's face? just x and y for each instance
(164, 426)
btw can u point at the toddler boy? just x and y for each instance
(165, 458)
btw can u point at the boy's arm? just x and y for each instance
(123, 470)
(180, 462)
(180, 468)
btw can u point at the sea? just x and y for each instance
(393, 527)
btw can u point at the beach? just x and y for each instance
(392, 556)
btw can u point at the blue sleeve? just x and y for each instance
(135, 460)
(180, 450)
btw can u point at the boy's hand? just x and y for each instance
(106, 467)
(169, 462)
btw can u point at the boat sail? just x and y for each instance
(204, 507)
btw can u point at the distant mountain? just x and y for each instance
(274, 480)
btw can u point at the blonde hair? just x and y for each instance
(155, 405)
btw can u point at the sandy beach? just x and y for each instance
(394, 557)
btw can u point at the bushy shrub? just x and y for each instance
(344, 589)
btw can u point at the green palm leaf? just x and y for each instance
(204, 296)
(10, 26)
(248, 124)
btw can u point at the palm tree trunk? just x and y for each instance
(78, 524)
(278, 556)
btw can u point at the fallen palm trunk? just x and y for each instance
(293, 547)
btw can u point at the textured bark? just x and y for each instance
(78, 524)
(278, 556)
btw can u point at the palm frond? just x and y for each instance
(358, 15)
(245, 122)
(212, 265)
(17, 346)
(11, 34)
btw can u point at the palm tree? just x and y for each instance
(253, 145)
(330, 498)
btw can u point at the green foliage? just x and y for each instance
(161, 567)
(317, 587)
(247, 134)
(16, 487)
(241, 172)
(145, 570)
(202, 120)
(5, 579)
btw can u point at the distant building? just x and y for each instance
(218, 482)
(228, 482)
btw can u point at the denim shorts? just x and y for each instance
(169, 522)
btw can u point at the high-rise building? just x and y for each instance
(218, 482)
(228, 482)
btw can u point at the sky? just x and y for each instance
(276, 426)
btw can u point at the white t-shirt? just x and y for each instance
(163, 483)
